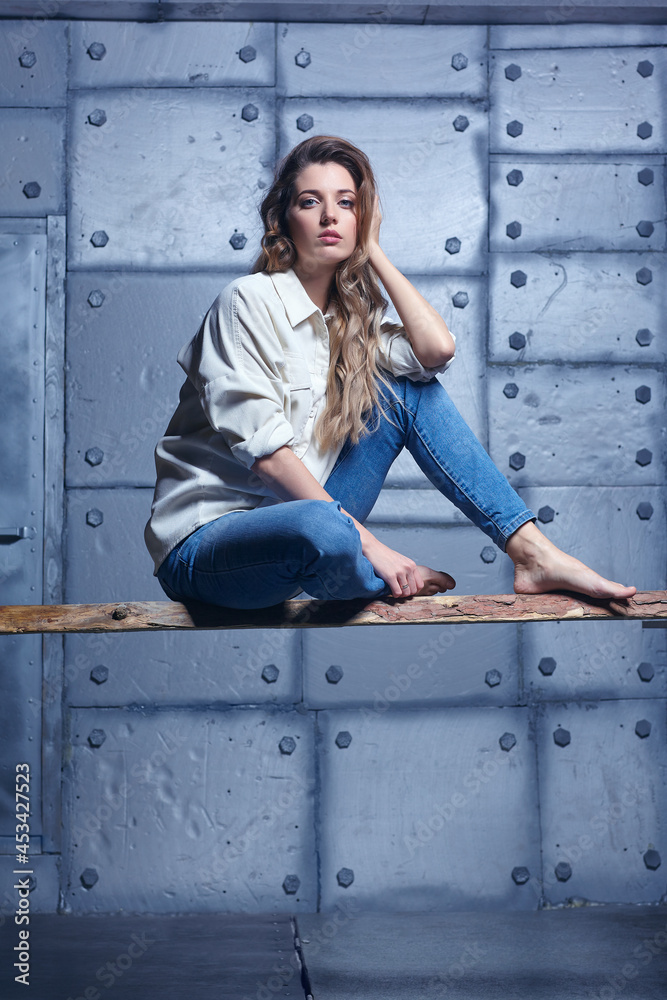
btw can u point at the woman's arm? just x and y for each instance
(426, 329)
(289, 479)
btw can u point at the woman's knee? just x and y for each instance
(323, 525)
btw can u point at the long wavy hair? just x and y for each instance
(356, 302)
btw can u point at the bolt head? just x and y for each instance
(645, 176)
(287, 745)
(644, 337)
(27, 59)
(94, 517)
(270, 673)
(511, 390)
(249, 112)
(517, 341)
(32, 189)
(99, 238)
(94, 456)
(291, 884)
(88, 878)
(247, 54)
(460, 300)
(514, 128)
(643, 729)
(343, 739)
(518, 278)
(517, 461)
(652, 860)
(453, 244)
(563, 871)
(644, 511)
(514, 178)
(302, 59)
(96, 50)
(645, 130)
(546, 514)
(643, 394)
(644, 276)
(507, 741)
(644, 228)
(547, 665)
(512, 72)
(493, 678)
(345, 877)
(488, 554)
(459, 61)
(513, 230)
(97, 117)
(99, 674)
(238, 240)
(561, 737)
(96, 737)
(520, 875)
(645, 68)
(644, 457)
(646, 672)
(96, 298)
(304, 123)
(334, 673)
(460, 123)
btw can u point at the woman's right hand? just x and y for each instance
(399, 571)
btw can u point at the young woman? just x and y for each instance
(298, 398)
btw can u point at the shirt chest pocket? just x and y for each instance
(296, 371)
(298, 378)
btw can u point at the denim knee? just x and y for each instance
(323, 525)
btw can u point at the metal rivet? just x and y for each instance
(652, 860)
(291, 884)
(302, 58)
(517, 461)
(460, 300)
(99, 238)
(249, 112)
(270, 673)
(343, 739)
(96, 51)
(453, 244)
(32, 189)
(247, 53)
(514, 178)
(507, 741)
(547, 665)
(488, 554)
(97, 117)
(460, 123)
(561, 737)
(546, 514)
(512, 72)
(511, 390)
(644, 228)
(238, 240)
(99, 674)
(520, 875)
(94, 517)
(643, 729)
(459, 61)
(644, 337)
(517, 341)
(646, 672)
(94, 456)
(334, 673)
(514, 128)
(645, 130)
(304, 123)
(88, 878)
(645, 176)
(493, 678)
(345, 877)
(27, 59)
(287, 745)
(645, 68)
(96, 298)
(643, 394)
(513, 230)
(96, 737)
(518, 278)
(644, 511)
(644, 457)
(563, 871)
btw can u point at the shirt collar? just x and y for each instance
(298, 304)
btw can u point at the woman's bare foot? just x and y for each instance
(435, 582)
(539, 567)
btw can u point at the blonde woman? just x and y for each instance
(299, 396)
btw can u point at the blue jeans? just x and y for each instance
(257, 558)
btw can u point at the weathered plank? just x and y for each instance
(150, 616)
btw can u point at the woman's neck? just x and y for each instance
(317, 286)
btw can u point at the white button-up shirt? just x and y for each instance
(256, 379)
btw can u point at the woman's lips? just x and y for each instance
(330, 239)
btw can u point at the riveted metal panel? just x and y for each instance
(414, 147)
(593, 660)
(577, 100)
(602, 800)
(173, 54)
(44, 83)
(380, 60)
(406, 806)
(44, 889)
(556, 33)
(409, 665)
(544, 424)
(231, 812)
(576, 206)
(169, 177)
(32, 153)
(122, 388)
(578, 307)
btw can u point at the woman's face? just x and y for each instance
(324, 199)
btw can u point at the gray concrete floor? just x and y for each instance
(587, 953)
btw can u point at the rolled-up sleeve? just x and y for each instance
(233, 362)
(397, 356)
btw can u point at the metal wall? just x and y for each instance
(522, 175)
